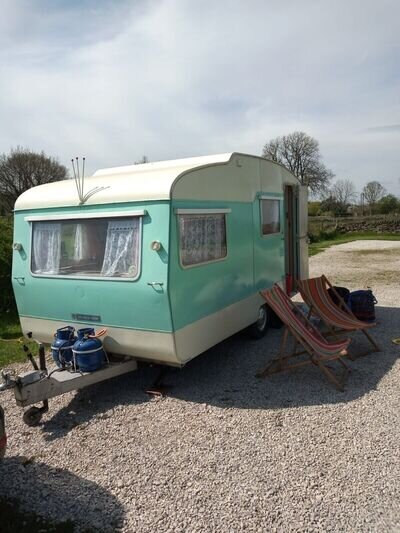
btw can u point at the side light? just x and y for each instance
(156, 246)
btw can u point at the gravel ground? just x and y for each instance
(225, 451)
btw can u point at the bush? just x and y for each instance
(388, 204)
(323, 235)
(313, 208)
(7, 301)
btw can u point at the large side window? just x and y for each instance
(94, 248)
(202, 238)
(270, 216)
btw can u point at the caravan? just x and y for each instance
(169, 257)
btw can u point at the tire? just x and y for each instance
(32, 416)
(261, 326)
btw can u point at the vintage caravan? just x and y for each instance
(168, 256)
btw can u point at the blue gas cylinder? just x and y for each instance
(61, 349)
(88, 351)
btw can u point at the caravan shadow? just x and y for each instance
(57, 495)
(225, 377)
(98, 400)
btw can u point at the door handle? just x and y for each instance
(155, 283)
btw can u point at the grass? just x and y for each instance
(11, 349)
(320, 246)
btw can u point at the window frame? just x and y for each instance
(86, 216)
(214, 211)
(279, 200)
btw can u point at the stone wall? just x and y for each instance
(375, 223)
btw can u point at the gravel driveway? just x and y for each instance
(225, 451)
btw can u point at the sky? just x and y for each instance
(116, 80)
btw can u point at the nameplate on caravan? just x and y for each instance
(86, 318)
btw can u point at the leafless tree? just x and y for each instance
(300, 154)
(344, 192)
(22, 169)
(373, 192)
(142, 160)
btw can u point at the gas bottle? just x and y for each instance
(88, 350)
(61, 349)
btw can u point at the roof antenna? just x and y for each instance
(80, 182)
(79, 178)
(83, 173)
(76, 179)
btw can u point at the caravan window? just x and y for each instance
(270, 216)
(93, 248)
(202, 238)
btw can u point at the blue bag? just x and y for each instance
(362, 305)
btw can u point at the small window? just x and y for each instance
(202, 238)
(92, 248)
(270, 217)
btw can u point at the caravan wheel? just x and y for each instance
(260, 327)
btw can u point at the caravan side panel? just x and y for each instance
(136, 314)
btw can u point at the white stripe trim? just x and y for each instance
(270, 197)
(76, 216)
(202, 211)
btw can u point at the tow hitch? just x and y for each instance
(41, 383)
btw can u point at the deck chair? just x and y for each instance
(316, 349)
(338, 318)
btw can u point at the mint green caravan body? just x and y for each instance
(208, 233)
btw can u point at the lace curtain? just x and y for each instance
(270, 216)
(46, 247)
(81, 243)
(202, 238)
(122, 248)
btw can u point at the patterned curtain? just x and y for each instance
(202, 238)
(122, 248)
(46, 248)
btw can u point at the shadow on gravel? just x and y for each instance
(224, 376)
(58, 496)
(98, 401)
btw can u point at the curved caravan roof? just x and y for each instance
(234, 176)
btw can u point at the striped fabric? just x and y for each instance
(314, 292)
(285, 309)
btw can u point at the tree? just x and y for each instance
(388, 204)
(372, 192)
(330, 205)
(344, 193)
(300, 154)
(142, 160)
(7, 301)
(22, 169)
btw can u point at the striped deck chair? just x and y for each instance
(317, 350)
(337, 317)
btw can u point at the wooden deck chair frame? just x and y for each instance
(280, 363)
(343, 312)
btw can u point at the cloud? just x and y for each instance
(114, 80)
(395, 128)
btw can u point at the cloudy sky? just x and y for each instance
(114, 80)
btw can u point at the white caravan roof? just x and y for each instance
(234, 177)
(148, 181)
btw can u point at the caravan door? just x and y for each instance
(269, 252)
(302, 231)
